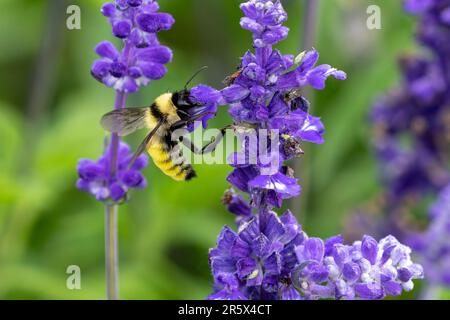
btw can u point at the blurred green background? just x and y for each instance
(50, 108)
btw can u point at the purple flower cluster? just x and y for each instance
(95, 176)
(262, 96)
(271, 258)
(136, 23)
(141, 60)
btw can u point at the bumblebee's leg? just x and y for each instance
(208, 148)
(146, 141)
(183, 123)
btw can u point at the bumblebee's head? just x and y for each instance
(182, 100)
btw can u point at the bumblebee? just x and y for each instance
(169, 112)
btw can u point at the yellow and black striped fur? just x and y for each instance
(170, 111)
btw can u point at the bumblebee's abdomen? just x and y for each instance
(163, 159)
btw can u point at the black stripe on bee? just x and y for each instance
(156, 113)
(190, 174)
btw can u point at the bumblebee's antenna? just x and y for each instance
(194, 76)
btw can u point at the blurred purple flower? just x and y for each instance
(412, 140)
(433, 246)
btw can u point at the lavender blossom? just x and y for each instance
(127, 71)
(258, 96)
(141, 60)
(137, 20)
(270, 257)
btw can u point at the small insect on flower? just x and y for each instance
(168, 113)
(229, 80)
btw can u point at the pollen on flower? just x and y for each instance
(305, 285)
(253, 275)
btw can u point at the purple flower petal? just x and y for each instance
(156, 54)
(245, 267)
(235, 93)
(369, 291)
(89, 170)
(284, 186)
(153, 71)
(122, 29)
(251, 25)
(108, 9)
(369, 249)
(106, 49)
(206, 95)
(392, 288)
(117, 192)
(154, 22)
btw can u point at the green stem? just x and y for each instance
(111, 252)
(111, 216)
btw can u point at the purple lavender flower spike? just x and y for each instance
(142, 59)
(258, 98)
(270, 257)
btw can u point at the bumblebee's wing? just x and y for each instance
(146, 141)
(125, 121)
